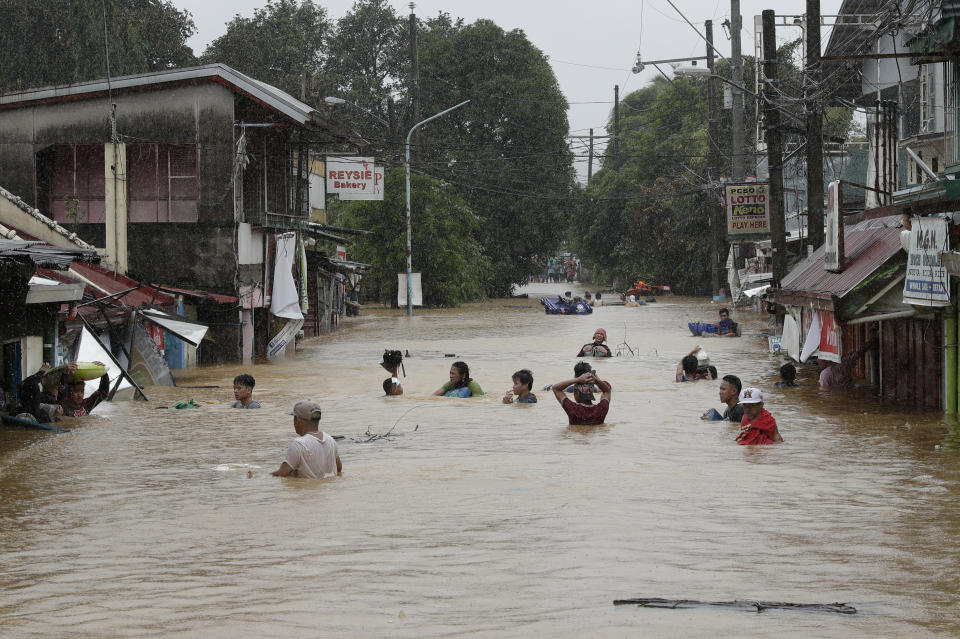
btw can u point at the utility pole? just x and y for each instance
(590, 160)
(736, 59)
(616, 124)
(713, 168)
(414, 73)
(811, 81)
(774, 148)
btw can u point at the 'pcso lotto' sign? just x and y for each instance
(354, 178)
(748, 216)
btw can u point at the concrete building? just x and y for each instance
(185, 178)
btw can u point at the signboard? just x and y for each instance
(833, 242)
(748, 214)
(417, 293)
(774, 342)
(285, 336)
(829, 337)
(341, 253)
(354, 178)
(927, 282)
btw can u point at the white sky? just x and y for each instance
(577, 36)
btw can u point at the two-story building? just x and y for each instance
(186, 177)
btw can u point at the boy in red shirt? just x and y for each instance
(758, 425)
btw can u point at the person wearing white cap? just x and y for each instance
(758, 425)
(314, 453)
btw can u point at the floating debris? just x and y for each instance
(755, 606)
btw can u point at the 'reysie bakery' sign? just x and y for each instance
(748, 213)
(354, 178)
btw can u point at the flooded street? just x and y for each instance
(476, 518)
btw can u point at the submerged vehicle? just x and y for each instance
(561, 306)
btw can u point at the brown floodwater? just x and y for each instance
(477, 518)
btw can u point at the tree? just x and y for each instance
(445, 250)
(368, 58)
(506, 151)
(283, 44)
(48, 43)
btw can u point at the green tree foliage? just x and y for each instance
(283, 44)
(368, 61)
(46, 43)
(506, 151)
(644, 216)
(445, 249)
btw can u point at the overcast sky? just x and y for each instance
(592, 45)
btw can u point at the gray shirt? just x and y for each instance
(253, 404)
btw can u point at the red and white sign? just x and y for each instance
(829, 337)
(748, 215)
(341, 253)
(354, 178)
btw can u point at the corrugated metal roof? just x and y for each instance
(261, 92)
(219, 298)
(44, 255)
(110, 283)
(868, 246)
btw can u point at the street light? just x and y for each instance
(409, 230)
(334, 100)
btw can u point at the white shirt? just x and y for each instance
(313, 457)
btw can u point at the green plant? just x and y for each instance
(72, 204)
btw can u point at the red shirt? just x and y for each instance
(761, 429)
(581, 415)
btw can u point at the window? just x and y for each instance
(72, 178)
(162, 182)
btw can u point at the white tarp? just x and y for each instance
(753, 292)
(187, 331)
(790, 340)
(90, 350)
(285, 299)
(402, 289)
(812, 344)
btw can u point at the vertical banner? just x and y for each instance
(748, 214)
(833, 242)
(927, 282)
(829, 337)
(341, 253)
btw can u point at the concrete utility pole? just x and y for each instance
(590, 159)
(616, 124)
(713, 169)
(414, 72)
(774, 148)
(736, 59)
(811, 81)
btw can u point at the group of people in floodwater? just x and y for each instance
(49, 394)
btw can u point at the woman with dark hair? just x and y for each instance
(460, 384)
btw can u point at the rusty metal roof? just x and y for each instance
(868, 246)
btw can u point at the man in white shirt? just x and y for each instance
(312, 454)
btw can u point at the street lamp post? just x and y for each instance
(334, 100)
(409, 230)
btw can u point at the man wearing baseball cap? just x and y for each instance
(758, 425)
(314, 453)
